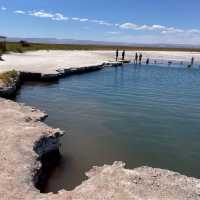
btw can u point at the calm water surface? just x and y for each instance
(145, 115)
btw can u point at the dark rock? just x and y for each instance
(50, 77)
(30, 76)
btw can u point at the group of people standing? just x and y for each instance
(123, 54)
(137, 59)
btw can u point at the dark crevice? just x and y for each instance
(48, 150)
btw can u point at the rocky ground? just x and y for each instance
(21, 129)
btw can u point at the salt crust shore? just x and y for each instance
(47, 62)
(22, 130)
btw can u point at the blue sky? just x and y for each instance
(141, 21)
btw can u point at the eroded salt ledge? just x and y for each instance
(21, 128)
(25, 141)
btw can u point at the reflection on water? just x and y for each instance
(140, 115)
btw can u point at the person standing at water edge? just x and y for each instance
(140, 59)
(1, 59)
(192, 61)
(117, 54)
(123, 54)
(136, 59)
(147, 61)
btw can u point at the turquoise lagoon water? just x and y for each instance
(141, 115)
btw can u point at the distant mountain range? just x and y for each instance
(90, 42)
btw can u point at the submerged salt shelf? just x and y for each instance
(142, 115)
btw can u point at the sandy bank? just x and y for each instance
(48, 62)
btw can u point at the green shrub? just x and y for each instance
(8, 77)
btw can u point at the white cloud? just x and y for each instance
(129, 25)
(84, 20)
(19, 12)
(59, 17)
(162, 29)
(105, 23)
(76, 18)
(3, 8)
(41, 14)
(172, 30)
(44, 14)
(114, 32)
(194, 31)
(159, 27)
(101, 22)
(80, 19)
(96, 21)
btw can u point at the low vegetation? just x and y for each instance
(7, 78)
(23, 46)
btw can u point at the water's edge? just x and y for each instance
(46, 147)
